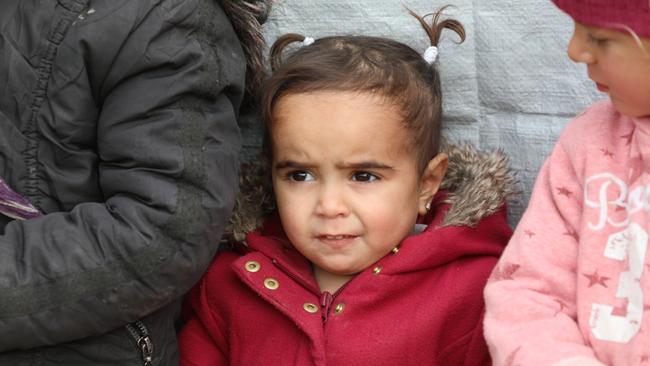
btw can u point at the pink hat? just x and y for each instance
(612, 14)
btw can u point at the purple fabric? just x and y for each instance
(14, 205)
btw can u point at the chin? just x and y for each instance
(630, 112)
(341, 270)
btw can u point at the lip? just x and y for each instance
(337, 240)
(602, 87)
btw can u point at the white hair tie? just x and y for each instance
(431, 55)
(307, 41)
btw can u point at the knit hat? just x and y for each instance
(613, 14)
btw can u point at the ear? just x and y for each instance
(430, 181)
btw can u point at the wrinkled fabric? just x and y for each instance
(118, 123)
(577, 267)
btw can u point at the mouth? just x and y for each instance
(336, 240)
(602, 87)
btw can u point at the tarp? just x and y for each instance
(509, 86)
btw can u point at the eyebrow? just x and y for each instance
(366, 165)
(604, 32)
(371, 164)
(285, 164)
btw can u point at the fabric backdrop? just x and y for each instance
(509, 86)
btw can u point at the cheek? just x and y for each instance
(292, 225)
(293, 213)
(632, 95)
(390, 219)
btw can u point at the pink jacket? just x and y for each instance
(573, 286)
(420, 305)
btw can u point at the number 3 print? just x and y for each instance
(632, 244)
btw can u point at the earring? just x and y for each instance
(428, 206)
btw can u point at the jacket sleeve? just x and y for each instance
(470, 350)
(202, 341)
(530, 297)
(167, 144)
(196, 347)
(477, 352)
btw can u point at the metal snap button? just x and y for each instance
(252, 266)
(309, 307)
(339, 308)
(271, 283)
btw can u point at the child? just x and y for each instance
(335, 277)
(570, 288)
(119, 152)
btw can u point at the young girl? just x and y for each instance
(341, 274)
(572, 286)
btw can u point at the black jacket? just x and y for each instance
(118, 121)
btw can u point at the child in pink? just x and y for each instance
(573, 287)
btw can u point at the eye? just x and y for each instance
(364, 177)
(593, 39)
(300, 176)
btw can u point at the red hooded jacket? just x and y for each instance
(421, 304)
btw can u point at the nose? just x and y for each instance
(331, 201)
(580, 49)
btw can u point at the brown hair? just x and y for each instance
(635, 38)
(367, 64)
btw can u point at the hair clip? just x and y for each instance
(307, 41)
(431, 55)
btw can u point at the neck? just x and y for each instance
(330, 282)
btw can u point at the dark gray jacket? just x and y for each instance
(118, 121)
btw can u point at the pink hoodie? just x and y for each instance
(573, 286)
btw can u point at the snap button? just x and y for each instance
(339, 308)
(377, 270)
(309, 307)
(271, 283)
(395, 250)
(252, 266)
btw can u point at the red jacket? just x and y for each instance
(420, 305)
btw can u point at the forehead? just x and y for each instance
(353, 123)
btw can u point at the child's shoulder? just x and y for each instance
(591, 121)
(220, 269)
(598, 126)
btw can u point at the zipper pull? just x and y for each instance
(325, 302)
(146, 346)
(140, 334)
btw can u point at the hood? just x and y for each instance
(477, 185)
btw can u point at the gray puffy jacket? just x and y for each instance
(118, 121)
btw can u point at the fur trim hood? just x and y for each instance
(477, 183)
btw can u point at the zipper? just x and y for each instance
(326, 299)
(140, 334)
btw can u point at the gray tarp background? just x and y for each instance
(509, 86)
